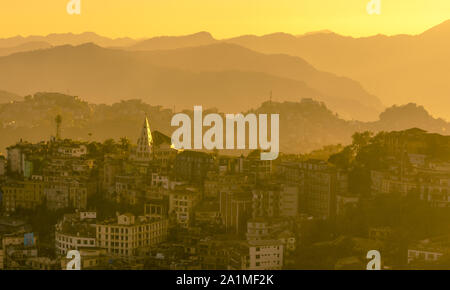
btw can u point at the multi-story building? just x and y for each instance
(258, 255)
(112, 166)
(214, 254)
(193, 166)
(72, 149)
(275, 200)
(18, 247)
(26, 194)
(289, 204)
(429, 250)
(3, 165)
(215, 182)
(266, 201)
(157, 206)
(164, 153)
(253, 164)
(182, 201)
(260, 229)
(127, 234)
(319, 183)
(62, 193)
(16, 157)
(235, 209)
(430, 185)
(91, 258)
(207, 212)
(75, 231)
(129, 189)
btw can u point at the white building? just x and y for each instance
(257, 255)
(424, 255)
(73, 150)
(88, 215)
(266, 255)
(128, 234)
(429, 250)
(258, 229)
(72, 234)
(16, 159)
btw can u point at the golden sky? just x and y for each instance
(223, 18)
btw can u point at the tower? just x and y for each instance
(58, 121)
(145, 143)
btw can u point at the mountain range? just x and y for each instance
(354, 76)
(226, 76)
(398, 69)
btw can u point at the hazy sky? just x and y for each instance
(223, 18)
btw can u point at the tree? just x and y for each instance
(109, 146)
(361, 140)
(342, 159)
(125, 144)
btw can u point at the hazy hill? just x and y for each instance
(173, 42)
(304, 126)
(341, 94)
(398, 69)
(57, 39)
(186, 77)
(398, 118)
(27, 46)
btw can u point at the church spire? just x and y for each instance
(145, 142)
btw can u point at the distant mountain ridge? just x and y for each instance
(57, 39)
(174, 42)
(27, 46)
(397, 69)
(226, 76)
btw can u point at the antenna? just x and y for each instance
(58, 121)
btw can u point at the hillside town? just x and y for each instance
(149, 206)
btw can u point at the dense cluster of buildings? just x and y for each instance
(150, 206)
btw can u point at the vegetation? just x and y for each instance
(305, 126)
